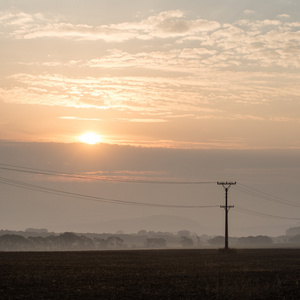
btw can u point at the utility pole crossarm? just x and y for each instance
(226, 183)
(228, 206)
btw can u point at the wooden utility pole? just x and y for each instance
(226, 185)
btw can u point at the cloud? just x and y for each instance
(106, 176)
(230, 143)
(155, 99)
(192, 67)
(143, 120)
(249, 12)
(286, 16)
(285, 119)
(231, 117)
(17, 19)
(163, 25)
(262, 43)
(172, 24)
(79, 32)
(79, 119)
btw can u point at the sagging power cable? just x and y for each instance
(34, 187)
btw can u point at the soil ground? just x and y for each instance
(151, 274)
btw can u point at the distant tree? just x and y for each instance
(155, 243)
(51, 243)
(184, 233)
(198, 240)
(218, 240)
(38, 243)
(71, 241)
(114, 242)
(12, 242)
(86, 243)
(142, 232)
(100, 243)
(295, 239)
(263, 239)
(255, 240)
(186, 241)
(293, 231)
(67, 241)
(37, 230)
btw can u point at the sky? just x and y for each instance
(181, 91)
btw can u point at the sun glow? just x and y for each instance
(90, 138)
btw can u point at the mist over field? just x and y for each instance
(33, 239)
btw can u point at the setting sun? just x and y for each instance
(90, 138)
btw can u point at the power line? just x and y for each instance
(263, 215)
(269, 197)
(266, 196)
(241, 188)
(34, 187)
(29, 170)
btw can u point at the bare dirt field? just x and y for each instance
(151, 274)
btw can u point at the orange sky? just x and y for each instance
(173, 75)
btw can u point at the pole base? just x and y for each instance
(227, 250)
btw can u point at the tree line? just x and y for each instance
(69, 241)
(42, 240)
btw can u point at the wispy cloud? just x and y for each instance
(163, 25)
(265, 43)
(231, 143)
(79, 118)
(200, 95)
(284, 16)
(143, 120)
(109, 176)
(249, 12)
(168, 67)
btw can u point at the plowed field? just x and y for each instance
(151, 274)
